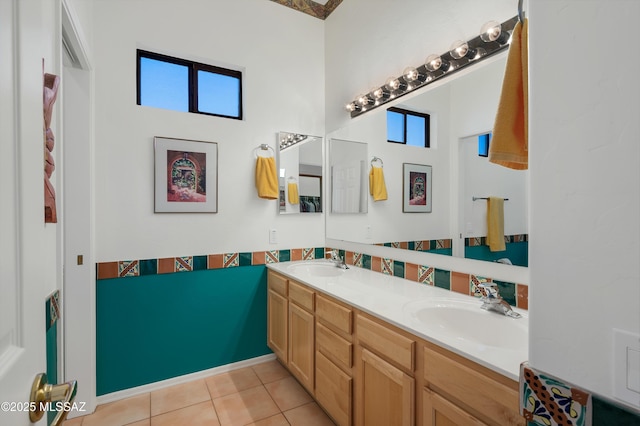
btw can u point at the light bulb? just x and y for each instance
(460, 49)
(410, 74)
(364, 100)
(393, 83)
(380, 93)
(492, 31)
(435, 62)
(352, 107)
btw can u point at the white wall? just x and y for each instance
(585, 187)
(282, 54)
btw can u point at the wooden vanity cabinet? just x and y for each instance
(364, 371)
(277, 316)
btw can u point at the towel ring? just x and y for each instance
(263, 147)
(520, 12)
(374, 159)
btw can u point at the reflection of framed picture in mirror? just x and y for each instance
(185, 176)
(416, 188)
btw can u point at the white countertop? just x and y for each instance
(476, 335)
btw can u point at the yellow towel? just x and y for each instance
(377, 187)
(266, 178)
(292, 189)
(509, 145)
(495, 224)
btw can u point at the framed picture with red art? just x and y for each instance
(186, 176)
(416, 188)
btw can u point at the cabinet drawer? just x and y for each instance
(278, 283)
(301, 296)
(440, 412)
(393, 346)
(333, 390)
(334, 315)
(335, 347)
(493, 401)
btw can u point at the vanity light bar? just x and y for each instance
(494, 38)
(291, 139)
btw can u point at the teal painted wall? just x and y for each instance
(517, 252)
(52, 355)
(156, 327)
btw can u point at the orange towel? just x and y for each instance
(509, 145)
(266, 178)
(495, 224)
(377, 187)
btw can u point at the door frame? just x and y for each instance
(78, 340)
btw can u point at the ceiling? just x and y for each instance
(319, 9)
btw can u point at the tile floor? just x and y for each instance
(264, 394)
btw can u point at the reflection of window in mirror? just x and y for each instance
(408, 127)
(483, 144)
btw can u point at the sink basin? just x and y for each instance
(466, 321)
(316, 268)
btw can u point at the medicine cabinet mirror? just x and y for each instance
(300, 159)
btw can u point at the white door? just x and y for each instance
(347, 184)
(27, 245)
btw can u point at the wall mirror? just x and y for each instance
(299, 173)
(480, 179)
(462, 105)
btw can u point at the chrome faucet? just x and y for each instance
(493, 301)
(335, 257)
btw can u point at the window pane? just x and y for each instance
(415, 130)
(164, 84)
(483, 145)
(395, 126)
(218, 94)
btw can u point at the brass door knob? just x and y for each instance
(43, 393)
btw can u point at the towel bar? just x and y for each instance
(484, 198)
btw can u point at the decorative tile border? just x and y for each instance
(515, 294)
(420, 245)
(482, 241)
(310, 7)
(548, 401)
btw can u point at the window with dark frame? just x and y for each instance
(408, 127)
(181, 85)
(483, 144)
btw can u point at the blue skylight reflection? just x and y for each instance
(164, 85)
(218, 94)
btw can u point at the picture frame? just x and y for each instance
(186, 176)
(416, 188)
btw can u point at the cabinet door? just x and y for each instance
(277, 333)
(385, 394)
(440, 412)
(333, 390)
(301, 345)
